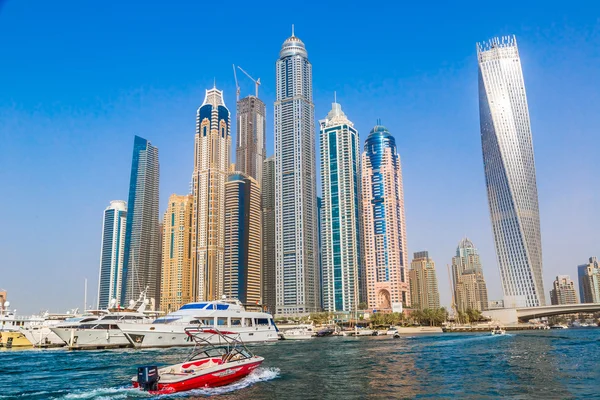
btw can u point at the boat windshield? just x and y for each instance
(166, 320)
(226, 354)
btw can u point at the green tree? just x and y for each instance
(363, 305)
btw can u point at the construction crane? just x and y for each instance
(237, 87)
(256, 81)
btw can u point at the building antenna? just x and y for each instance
(292, 30)
(334, 96)
(215, 82)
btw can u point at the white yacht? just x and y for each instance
(41, 335)
(225, 315)
(102, 332)
(300, 332)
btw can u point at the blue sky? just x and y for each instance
(79, 79)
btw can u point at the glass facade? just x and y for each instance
(112, 254)
(297, 275)
(141, 266)
(340, 249)
(383, 222)
(510, 172)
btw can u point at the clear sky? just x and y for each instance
(78, 79)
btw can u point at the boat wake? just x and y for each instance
(258, 375)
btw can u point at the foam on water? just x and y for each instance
(258, 375)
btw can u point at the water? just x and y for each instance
(536, 364)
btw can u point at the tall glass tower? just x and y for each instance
(112, 253)
(340, 182)
(295, 194)
(384, 227)
(510, 172)
(211, 168)
(141, 266)
(269, 288)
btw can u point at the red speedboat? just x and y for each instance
(209, 365)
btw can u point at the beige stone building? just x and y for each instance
(211, 168)
(470, 290)
(563, 291)
(176, 268)
(423, 282)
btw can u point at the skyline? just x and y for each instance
(421, 129)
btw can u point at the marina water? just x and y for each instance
(537, 364)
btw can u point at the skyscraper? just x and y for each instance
(243, 239)
(140, 269)
(211, 168)
(112, 253)
(510, 172)
(589, 281)
(251, 127)
(384, 229)
(295, 193)
(563, 291)
(470, 290)
(176, 274)
(268, 221)
(423, 282)
(340, 182)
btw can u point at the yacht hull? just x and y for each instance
(82, 339)
(43, 337)
(158, 335)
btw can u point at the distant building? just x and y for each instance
(495, 304)
(340, 219)
(383, 224)
(470, 290)
(242, 278)
(268, 220)
(589, 281)
(211, 168)
(563, 291)
(112, 254)
(251, 129)
(423, 282)
(141, 264)
(176, 274)
(509, 168)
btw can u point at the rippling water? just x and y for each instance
(538, 364)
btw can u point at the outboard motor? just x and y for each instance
(148, 377)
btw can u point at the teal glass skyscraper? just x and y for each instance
(297, 276)
(340, 235)
(112, 254)
(509, 168)
(141, 266)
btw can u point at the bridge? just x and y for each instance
(524, 314)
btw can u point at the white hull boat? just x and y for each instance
(170, 330)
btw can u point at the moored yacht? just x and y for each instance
(169, 330)
(102, 331)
